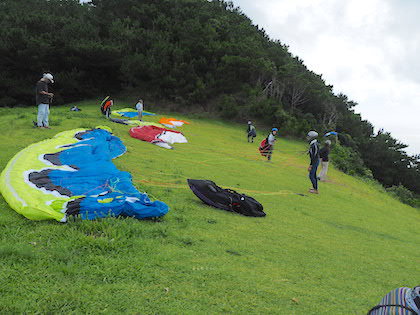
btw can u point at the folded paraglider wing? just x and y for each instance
(130, 113)
(131, 122)
(172, 122)
(73, 174)
(159, 136)
(147, 123)
(226, 199)
(331, 133)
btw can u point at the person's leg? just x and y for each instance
(45, 120)
(40, 115)
(269, 152)
(315, 168)
(324, 170)
(140, 113)
(312, 176)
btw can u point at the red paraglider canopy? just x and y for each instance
(157, 135)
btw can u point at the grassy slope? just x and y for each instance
(336, 253)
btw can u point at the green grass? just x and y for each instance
(335, 253)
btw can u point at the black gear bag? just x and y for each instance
(225, 199)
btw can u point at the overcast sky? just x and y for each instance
(367, 49)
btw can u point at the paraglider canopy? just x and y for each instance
(331, 133)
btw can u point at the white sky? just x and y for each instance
(366, 49)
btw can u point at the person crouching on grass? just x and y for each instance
(314, 156)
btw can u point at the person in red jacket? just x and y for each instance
(106, 106)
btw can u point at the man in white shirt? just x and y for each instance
(139, 107)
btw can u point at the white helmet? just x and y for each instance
(328, 142)
(48, 76)
(312, 134)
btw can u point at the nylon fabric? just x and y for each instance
(158, 136)
(73, 174)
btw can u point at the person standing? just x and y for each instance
(314, 156)
(324, 160)
(267, 145)
(106, 105)
(139, 107)
(251, 131)
(43, 100)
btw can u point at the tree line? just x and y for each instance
(201, 56)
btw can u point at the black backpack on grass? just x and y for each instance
(225, 199)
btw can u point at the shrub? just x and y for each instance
(404, 195)
(228, 107)
(349, 161)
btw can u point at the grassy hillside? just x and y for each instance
(334, 253)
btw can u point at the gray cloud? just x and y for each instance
(367, 49)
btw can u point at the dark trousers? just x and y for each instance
(312, 174)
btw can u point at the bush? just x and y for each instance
(228, 107)
(404, 195)
(349, 161)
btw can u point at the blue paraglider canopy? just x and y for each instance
(331, 133)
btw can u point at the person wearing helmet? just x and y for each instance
(251, 131)
(43, 100)
(314, 156)
(267, 145)
(324, 160)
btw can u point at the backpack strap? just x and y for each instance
(392, 305)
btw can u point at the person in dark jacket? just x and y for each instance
(43, 100)
(324, 160)
(251, 131)
(314, 156)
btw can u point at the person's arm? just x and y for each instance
(314, 153)
(43, 92)
(312, 156)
